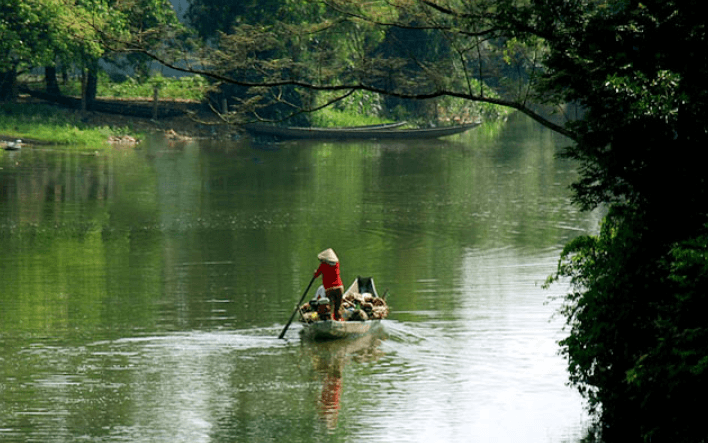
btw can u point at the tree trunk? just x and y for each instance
(155, 101)
(83, 90)
(89, 86)
(8, 91)
(50, 79)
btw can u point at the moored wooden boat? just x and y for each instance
(355, 133)
(360, 298)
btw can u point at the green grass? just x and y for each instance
(52, 125)
(59, 126)
(187, 88)
(328, 118)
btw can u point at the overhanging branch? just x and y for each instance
(353, 87)
(277, 75)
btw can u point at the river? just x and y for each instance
(142, 291)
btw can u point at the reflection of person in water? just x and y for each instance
(329, 401)
(329, 360)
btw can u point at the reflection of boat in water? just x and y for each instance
(329, 359)
(355, 133)
(363, 311)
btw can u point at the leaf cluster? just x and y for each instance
(37, 32)
(77, 33)
(635, 345)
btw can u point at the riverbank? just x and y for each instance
(184, 127)
(39, 123)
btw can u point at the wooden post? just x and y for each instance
(155, 98)
(83, 90)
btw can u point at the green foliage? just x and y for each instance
(211, 17)
(453, 107)
(146, 20)
(76, 33)
(268, 55)
(42, 32)
(330, 117)
(619, 61)
(37, 32)
(359, 105)
(188, 87)
(676, 367)
(638, 344)
(603, 272)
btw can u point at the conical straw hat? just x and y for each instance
(329, 256)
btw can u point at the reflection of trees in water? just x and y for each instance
(58, 179)
(329, 360)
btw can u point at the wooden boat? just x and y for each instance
(331, 330)
(362, 288)
(354, 133)
(378, 127)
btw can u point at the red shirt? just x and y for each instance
(330, 275)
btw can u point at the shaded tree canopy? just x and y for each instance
(211, 17)
(636, 348)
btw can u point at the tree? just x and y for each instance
(411, 45)
(36, 33)
(122, 18)
(144, 17)
(211, 17)
(254, 30)
(635, 347)
(45, 33)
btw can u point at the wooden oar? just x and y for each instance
(297, 307)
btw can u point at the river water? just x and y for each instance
(142, 291)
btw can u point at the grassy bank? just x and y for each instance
(40, 123)
(327, 118)
(48, 124)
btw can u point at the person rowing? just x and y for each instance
(331, 280)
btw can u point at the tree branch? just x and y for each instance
(360, 86)
(369, 76)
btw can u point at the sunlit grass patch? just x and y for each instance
(52, 125)
(328, 118)
(191, 87)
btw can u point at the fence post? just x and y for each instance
(155, 98)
